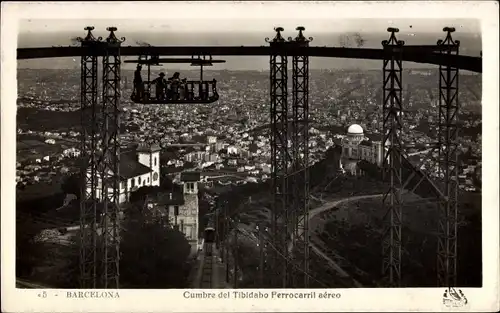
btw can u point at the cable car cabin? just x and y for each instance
(208, 243)
(209, 235)
(184, 92)
(176, 89)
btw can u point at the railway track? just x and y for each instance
(206, 280)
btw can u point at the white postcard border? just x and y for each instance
(415, 299)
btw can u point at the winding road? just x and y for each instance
(325, 207)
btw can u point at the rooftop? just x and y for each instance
(142, 147)
(375, 137)
(167, 198)
(130, 167)
(365, 143)
(190, 176)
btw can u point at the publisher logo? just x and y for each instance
(454, 298)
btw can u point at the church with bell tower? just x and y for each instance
(138, 168)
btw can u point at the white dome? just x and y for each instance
(355, 129)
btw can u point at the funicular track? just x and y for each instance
(206, 279)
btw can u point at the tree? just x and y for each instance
(359, 40)
(153, 255)
(169, 185)
(69, 256)
(71, 184)
(63, 261)
(248, 261)
(28, 252)
(139, 195)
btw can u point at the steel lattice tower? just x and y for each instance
(279, 156)
(89, 141)
(393, 146)
(110, 171)
(300, 161)
(448, 164)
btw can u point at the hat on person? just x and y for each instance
(162, 74)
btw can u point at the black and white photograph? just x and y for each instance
(252, 156)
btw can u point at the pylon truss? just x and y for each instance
(279, 158)
(110, 183)
(392, 132)
(300, 162)
(89, 166)
(448, 164)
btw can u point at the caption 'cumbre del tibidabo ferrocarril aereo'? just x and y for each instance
(261, 295)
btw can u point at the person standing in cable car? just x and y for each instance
(183, 91)
(174, 85)
(175, 77)
(161, 84)
(138, 84)
(214, 88)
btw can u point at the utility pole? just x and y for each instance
(216, 224)
(235, 258)
(176, 213)
(227, 263)
(221, 239)
(261, 258)
(226, 248)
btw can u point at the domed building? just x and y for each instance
(355, 133)
(357, 146)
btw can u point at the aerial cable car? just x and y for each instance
(174, 90)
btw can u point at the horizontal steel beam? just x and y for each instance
(418, 54)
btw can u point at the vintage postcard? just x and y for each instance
(250, 156)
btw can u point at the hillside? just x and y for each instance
(352, 233)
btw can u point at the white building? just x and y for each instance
(71, 152)
(232, 150)
(211, 139)
(137, 169)
(356, 146)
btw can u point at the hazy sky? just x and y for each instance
(240, 24)
(205, 25)
(251, 32)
